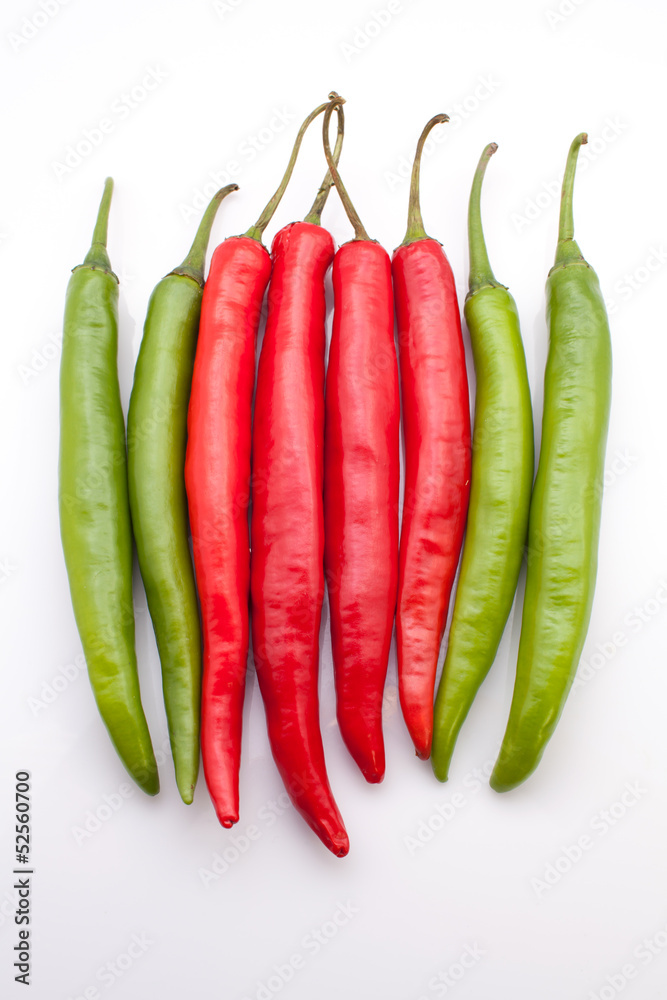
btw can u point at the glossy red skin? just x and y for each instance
(361, 481)
(436, 422)
(217, 476)
(287, 528)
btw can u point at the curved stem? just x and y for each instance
(315, 214)
(195, 261)
(480, 268)
(102, 221)
(566, 223)
(256, 232)
(97, 256)
(567, 249)
(359, 231)
(415, 230)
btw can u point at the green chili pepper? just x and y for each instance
(565, 509)
(501, 481)
(156, 438)
(93, 499)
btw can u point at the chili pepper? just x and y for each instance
(286, 569)
(156, 439)
(217, 473)
(94, 508)
(502, 479)
(361, 481)
(564, 524)
(436, 423)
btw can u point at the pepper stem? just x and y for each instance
(481, 274)
(257, 231)
(567, 249)
(315, 214)
(194, 263)
(359, 231)
(97, 256)
(415, 230)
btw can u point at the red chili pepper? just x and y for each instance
(217, 476)
(361, 482)
(436, 422)
(287, 532)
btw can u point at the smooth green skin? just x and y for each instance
(156, 437)
(501, 482)
(94, 510)
(564, 519)
(566, 505)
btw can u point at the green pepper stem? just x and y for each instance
(315, 214)
(415, 230)
(97, 256)
(567, 249)
(257, 231)
(480, 268)
(195, 262)
(359, 231)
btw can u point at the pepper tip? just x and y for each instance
(228, 819)
(342, 849)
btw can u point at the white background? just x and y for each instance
(509, 72)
